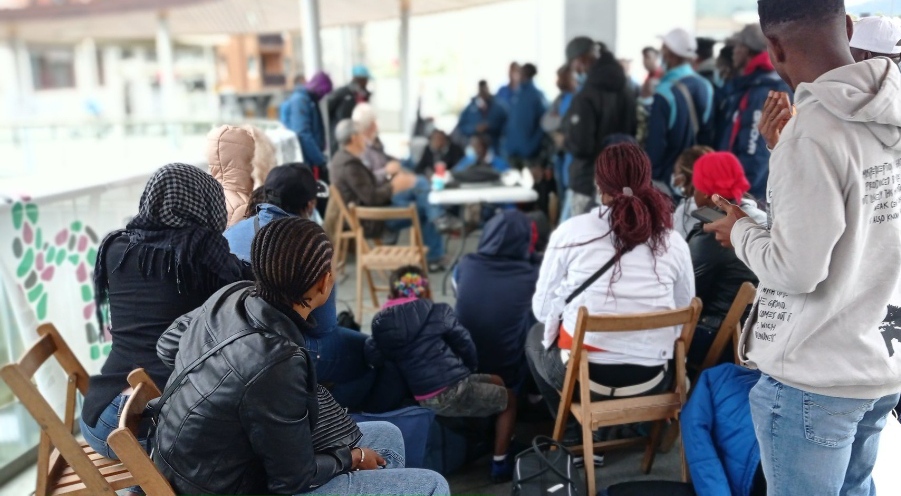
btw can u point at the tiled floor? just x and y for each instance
(473, 479)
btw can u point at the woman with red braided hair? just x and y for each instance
(650, 270)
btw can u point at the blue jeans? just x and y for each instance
(815, 444)
(428, 213)
(326, 316)
(341, 365)
(386, 440)
(108, 422)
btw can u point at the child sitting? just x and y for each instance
(438, 359)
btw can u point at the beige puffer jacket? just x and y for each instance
(239, 157)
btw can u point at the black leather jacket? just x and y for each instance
(718, 275)
(241, 423)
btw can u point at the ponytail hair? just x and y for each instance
(639, 213)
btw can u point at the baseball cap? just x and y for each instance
(361, 71)
(752, 37)
(877, 34)
(292, 187)
(578, 46)
(681, 42)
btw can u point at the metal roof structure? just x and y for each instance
(138, 19)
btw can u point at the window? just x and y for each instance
(53, 67)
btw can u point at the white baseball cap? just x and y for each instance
(877, 34)
(682, 43)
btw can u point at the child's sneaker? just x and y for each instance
(502, 471)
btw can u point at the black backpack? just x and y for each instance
(547, 469)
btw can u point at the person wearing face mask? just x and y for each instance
(440, 150)
(552, 123)
(479, 153)
(605, 105)
(743, 106)
(483, 115)
(681, 115)
(681, 183)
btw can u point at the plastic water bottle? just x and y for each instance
(439, 178)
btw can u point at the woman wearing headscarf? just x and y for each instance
(718, 272)
(166, 262)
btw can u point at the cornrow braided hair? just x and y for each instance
(639, 212)
(289, 256)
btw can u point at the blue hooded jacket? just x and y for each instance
(472, 116)
(300, 113)
(494, 295)
(670, 129)
(240, 238)
(746, 97)
(720, 445)
(429, 345)
(524, 135)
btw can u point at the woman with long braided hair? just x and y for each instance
(243, 413)
(649, 269)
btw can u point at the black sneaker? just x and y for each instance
(579, 460)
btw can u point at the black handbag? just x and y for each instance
(547, 468)
(334, 428)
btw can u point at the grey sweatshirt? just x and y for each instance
(828, 315)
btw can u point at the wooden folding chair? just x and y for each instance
(657, 408)
(385, 258)
(124, 440)
(344, 232)
(727, 330)
(65, 465)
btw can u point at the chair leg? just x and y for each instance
(359, 290)
(670, 437)
(686, 476)
(588, 454)
(651, 450)
(372, 290)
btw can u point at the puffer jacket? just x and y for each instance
(502, 274)
(230, 152)
(720, 445)
(426, 341)
(241, 423)
(227, 157)
(605, 106)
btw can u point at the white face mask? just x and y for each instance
(678, 188)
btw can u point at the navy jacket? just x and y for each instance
(720, 445)
(426, 341)
(523, 130)
(500, 276)
(670, 130)
(746, 96)
(300, 113)
(495, 117)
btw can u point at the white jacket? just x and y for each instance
(828, 315)
(581, 246)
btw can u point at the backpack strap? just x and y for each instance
(692, 110)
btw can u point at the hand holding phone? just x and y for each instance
(707, 215)
(722, 228)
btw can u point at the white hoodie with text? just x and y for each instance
(828, 315)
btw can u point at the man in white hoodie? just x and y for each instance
(826, 328)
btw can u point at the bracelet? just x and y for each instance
(362, 456)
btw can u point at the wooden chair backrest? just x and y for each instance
(124, 440)
(345, 212)
(382, 214)
(745, 297)
(686, 317)
(57, 442)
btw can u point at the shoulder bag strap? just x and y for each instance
(594, 277)
(692, 111)
(193, 365)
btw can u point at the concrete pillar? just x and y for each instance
(9, 80)
(625, 26)
(312, 44)
(86, 80)
(165, 64)
(210, 78)
(113, 85)
(24, 76)
(406, 98)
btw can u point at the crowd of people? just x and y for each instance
(222, 286)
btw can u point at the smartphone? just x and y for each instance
(707, 215)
